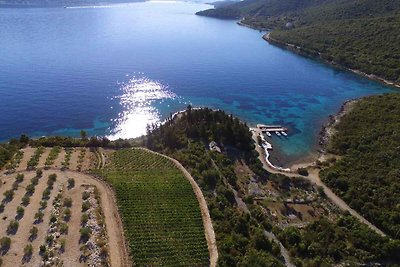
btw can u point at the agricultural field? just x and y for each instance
(53, 214)
(160, 212)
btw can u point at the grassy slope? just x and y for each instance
(160, 212)
(368, 176)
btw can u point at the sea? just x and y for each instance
(111, 70)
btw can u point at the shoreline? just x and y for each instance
(317, 55)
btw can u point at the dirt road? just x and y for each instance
(314, 178)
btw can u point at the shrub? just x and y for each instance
(85, 206)
(5, 243)
(85, 195)
(1, 207)
(64, 228)
(84, 218)
(68, 202)
(85, 233)
(34, 180)
(12, 227)
(9, 194)
(46, 193)
(20, 211)
(39, 216)
(62, 244)
(43, 204)
(302, 171)
(30, 189)
(71, 182)
(25, 200)
(20, 178)
(39, 173)
(49, 239)
(53, 218)
(53, 177)
(28, 250)
(67, 214)
(42, 249)
(33, 232)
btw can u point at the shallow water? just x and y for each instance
(112, 70)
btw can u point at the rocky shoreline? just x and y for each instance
(315, 54)
(328, 130)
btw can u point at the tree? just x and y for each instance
(83, 135)
(5, 243)
(71, 183)
(24, 139)
(85, 233)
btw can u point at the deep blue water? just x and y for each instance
(112, 70)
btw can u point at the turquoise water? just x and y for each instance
(111, 70)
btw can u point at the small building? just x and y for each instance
(214, 147)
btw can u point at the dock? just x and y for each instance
(267, 129)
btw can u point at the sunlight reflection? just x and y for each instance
(137, 99)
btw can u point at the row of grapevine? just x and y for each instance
(160, 212)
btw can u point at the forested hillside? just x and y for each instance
(368, 175)
(358, 34)
(332, 240)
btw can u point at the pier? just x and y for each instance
(267, 129)
(262, 129)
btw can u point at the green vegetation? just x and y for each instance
(12, 227)
(357, 34)
(240, 237)
(33, 233)
(16, 160)
(70, 142)
(324, 243)
(52, 156)
(160, 212)
(205, 125)
(5, 243)
(71, 183)
(67, 202)
(368, 177)
(8, 150)
(34, 160)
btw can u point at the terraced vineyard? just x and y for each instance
(161, 215)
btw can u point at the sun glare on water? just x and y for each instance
(137, 99)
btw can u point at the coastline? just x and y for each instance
(315, 54)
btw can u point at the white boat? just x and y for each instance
(285, 134)
(268, 134)
(278, 133)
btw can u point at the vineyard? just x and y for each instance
(161, 215)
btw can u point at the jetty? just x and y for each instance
(262, 129)
(267, 129)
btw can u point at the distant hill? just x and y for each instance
(55, 3)
(358, 34)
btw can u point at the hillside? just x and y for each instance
(159, 210)
(357, 34)
(247, 205)
(367, 177)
